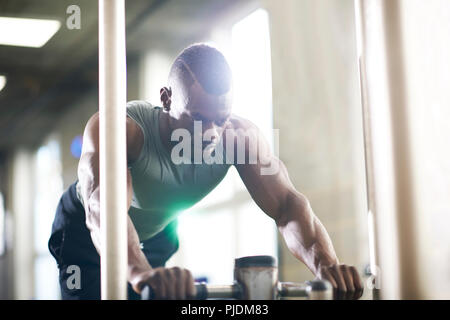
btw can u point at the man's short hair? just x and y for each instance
(208, 66)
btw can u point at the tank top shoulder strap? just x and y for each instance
(146, 116)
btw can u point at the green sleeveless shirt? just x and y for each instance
(161, 188)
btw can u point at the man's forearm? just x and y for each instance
(137, 262)
(305, 235)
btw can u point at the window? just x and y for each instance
(49, 187)
(2, 226)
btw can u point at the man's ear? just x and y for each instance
(167, 90)
(166, 97)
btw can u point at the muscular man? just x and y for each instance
(163, 180)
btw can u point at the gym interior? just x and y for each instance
(352, 96)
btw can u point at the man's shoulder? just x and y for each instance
(141, 111)
(137, 112)
(241, 132)
(144, 104)
(237, 122)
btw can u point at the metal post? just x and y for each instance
(368, 152)
(113, 180)
(391, 176)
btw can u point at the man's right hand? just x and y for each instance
(166, 283)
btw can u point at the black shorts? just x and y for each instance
(71, 245)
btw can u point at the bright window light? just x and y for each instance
(27, 32)
(2, 82)
(48, 190)
(2, 225)
(155, 66)
(252, 71)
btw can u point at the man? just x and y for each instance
(164, 179)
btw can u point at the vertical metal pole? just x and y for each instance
(405, 188)
(391, 174)
(113, 180)
(368, 156)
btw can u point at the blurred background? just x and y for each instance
(295, 65)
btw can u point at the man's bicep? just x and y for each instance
(268, 191)
(88, 165)
(266, 180)
(91, 137)
(129, 188)
(250, 145)
(89, 160)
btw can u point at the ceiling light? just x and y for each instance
(27, 32)
(2, 82)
